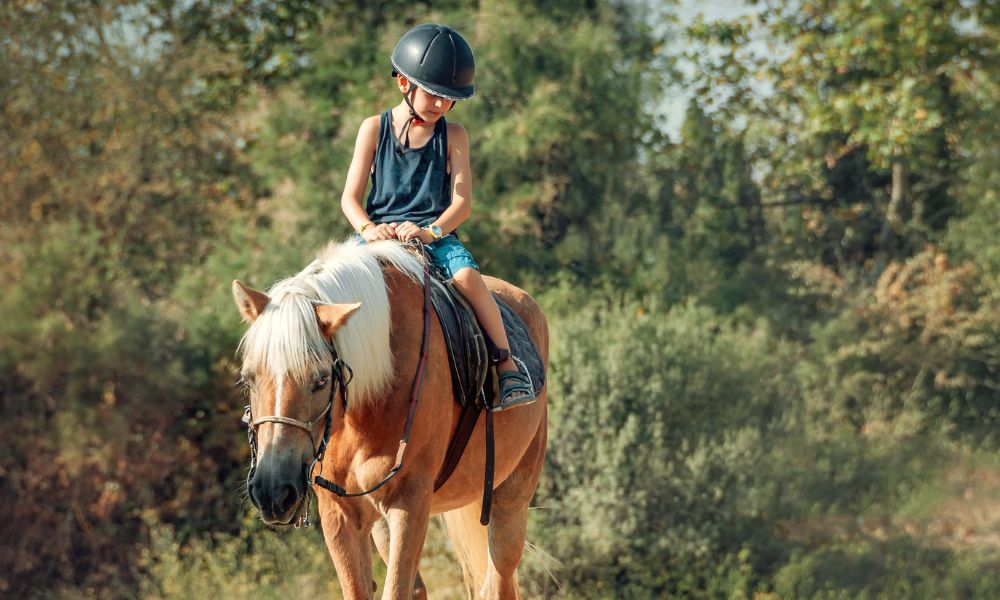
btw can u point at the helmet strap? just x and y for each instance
(414, 117)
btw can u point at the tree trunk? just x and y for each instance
(893, 223)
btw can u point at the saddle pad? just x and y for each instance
(462, 332)
(467, 344)
(521, 344)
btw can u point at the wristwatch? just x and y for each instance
(435, 231)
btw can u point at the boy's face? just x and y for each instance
(428, 106)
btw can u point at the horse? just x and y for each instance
(356, 319)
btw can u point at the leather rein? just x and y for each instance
(341, 375)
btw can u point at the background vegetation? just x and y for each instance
(776, 335)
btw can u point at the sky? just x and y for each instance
(687, 11)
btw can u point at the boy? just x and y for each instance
(421, 178)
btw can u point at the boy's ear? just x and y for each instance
(403, 82)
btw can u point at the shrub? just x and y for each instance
(252, 563)
(916, 352)
(658, 424)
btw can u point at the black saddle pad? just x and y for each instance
(466, 343)
(521, 345)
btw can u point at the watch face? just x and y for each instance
(435, 231)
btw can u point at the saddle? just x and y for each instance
(472, 357)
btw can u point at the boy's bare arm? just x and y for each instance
(461, 180)
(357, 174)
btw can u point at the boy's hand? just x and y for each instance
(385, 231)
(408, 231)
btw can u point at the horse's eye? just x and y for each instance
(319, 383)
(248, 383)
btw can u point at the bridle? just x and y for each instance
(341, 375)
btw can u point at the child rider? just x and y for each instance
(421, 178)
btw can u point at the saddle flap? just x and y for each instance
(464, 340)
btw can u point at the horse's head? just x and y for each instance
(291, 391)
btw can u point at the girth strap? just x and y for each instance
(466, 425)
(460, 438)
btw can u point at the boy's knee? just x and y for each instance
(467, 276)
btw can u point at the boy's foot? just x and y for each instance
(515, 390)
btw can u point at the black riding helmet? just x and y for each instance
(438, 59)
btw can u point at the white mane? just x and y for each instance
(285, 339)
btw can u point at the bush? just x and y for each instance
(916, 352)
(685, 461)
(659, 423)
(109, 411)
(890, 569)
(253, 563)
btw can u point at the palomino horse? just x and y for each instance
(363, 306)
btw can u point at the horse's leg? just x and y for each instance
(346, 528)
(380, 533)
(407, 522)
(509, 522)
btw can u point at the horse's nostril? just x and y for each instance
(286, 499)
(253, 491)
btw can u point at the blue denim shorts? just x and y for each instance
(450, 256)
(447, 254)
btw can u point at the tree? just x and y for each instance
(557, 126)
(867, 110)
(121, 168)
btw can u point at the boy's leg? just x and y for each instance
(471, 284)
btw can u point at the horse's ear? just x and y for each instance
(249, 301)
(333, 316)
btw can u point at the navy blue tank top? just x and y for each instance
(409, 184)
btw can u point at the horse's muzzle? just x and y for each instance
(278, 492)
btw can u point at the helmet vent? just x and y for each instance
(430, 44)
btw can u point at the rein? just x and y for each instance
(338, 379)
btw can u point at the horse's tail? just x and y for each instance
(471, 543)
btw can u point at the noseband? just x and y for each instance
(341, 375)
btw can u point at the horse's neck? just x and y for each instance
(381, 419)
(406, 318)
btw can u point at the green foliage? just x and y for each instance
(972, 234)
(118, 133)
(267, 36)
(557, 148)
(919, 350)
(659, 425)
(107, 405)
(774, 339)
(256, 562)
(702, 232)
(691, 457)
(894, 568)
(866, 111)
